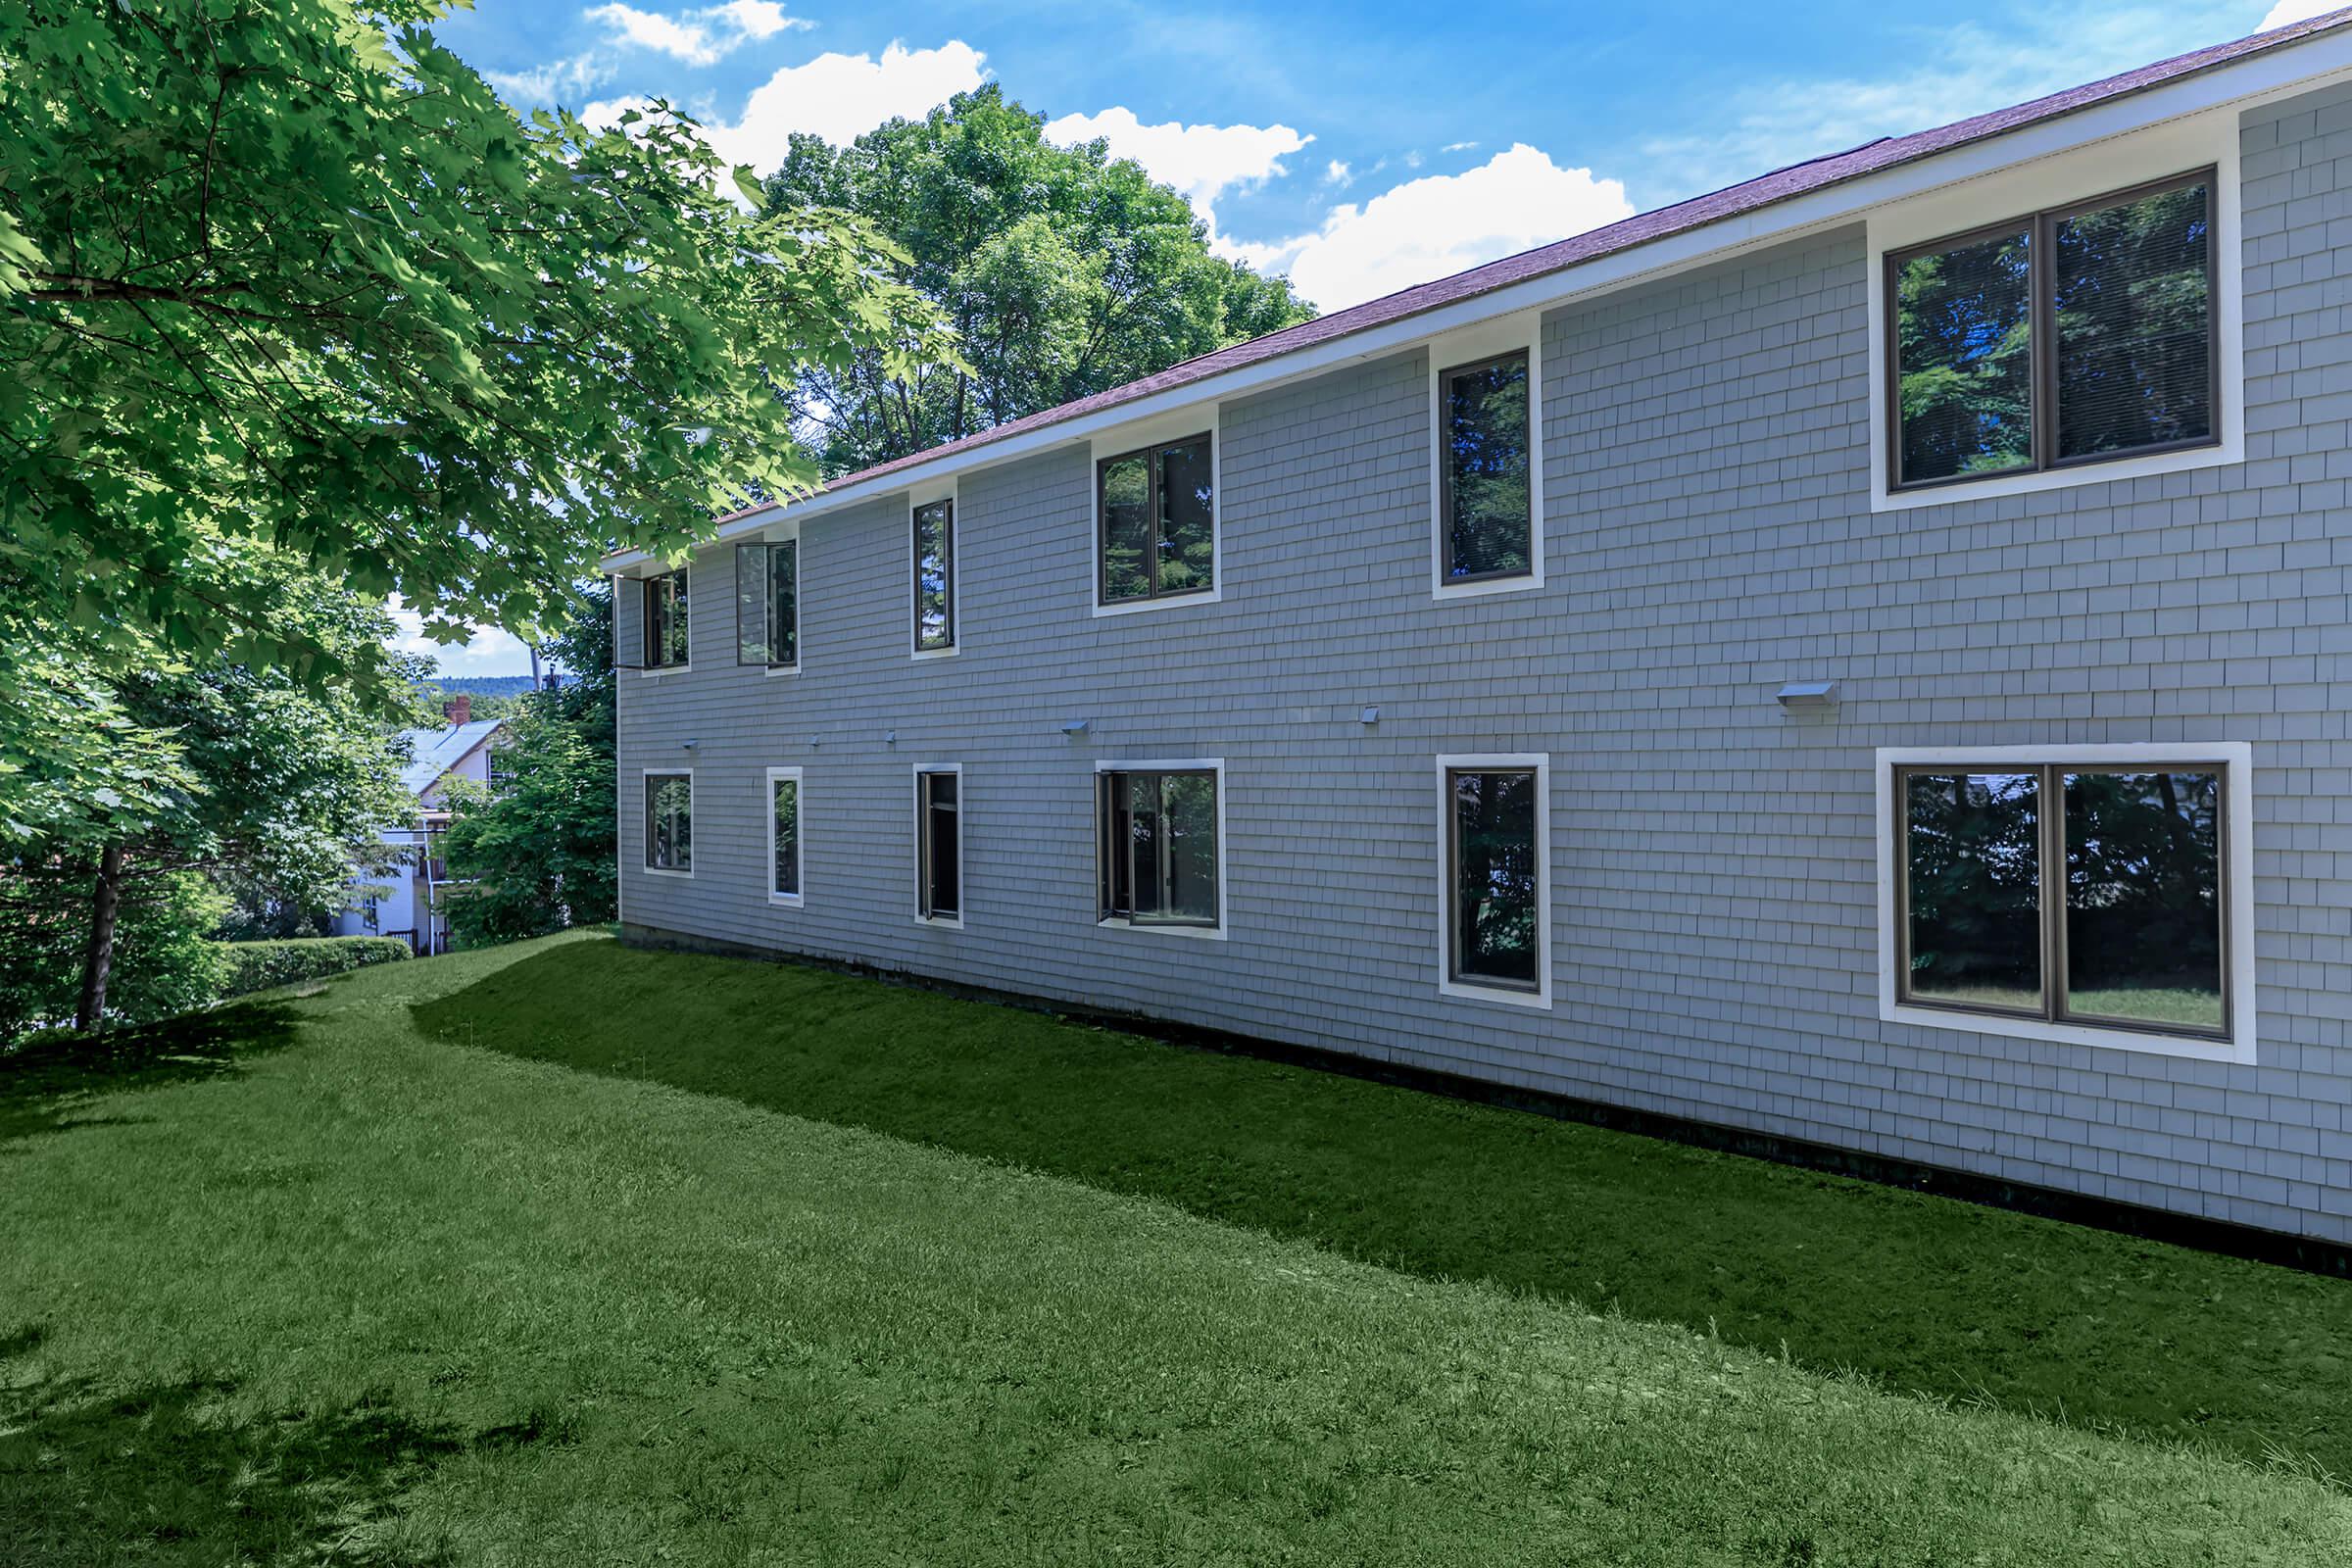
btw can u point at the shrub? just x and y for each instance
(162, 965)
(261, 966)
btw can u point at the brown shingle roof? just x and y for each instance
(1733, 201)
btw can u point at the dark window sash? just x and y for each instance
(669, 829)
(2051, 900)
(943, 515)
(1446, 487)
(1453, 912)
(939, 844)
(666, 611)
(768, 604)
(1156, 487)
(2043, 347)
(1120, 798)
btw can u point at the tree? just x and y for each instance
(262, 777)
(539, 854)
(286, 274)
(1064, 270)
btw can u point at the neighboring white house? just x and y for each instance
(403, 899)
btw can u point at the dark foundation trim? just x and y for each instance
(2227, 1238)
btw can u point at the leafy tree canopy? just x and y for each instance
(287, 274)
(1064, 270)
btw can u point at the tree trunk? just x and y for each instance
(99, 959)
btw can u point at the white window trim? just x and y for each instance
(1468, 346)
(2237, 761)
(953, 922)
(2080, 173)
(1471, 989)
(649, 671)
(1151, 433)
(921, 496)
(767, 810)
(645, 827)
(1195, 765)
(777, 534)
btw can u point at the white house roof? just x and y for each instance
(436, 751)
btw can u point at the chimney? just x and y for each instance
(459, 710)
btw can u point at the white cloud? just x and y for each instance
(1431, 228)
(835, 96)
(2287, 11)
(554, 81)
(1338, 174)
(1202, 161)
(485, 651)
(1459, 147)
(698, 37)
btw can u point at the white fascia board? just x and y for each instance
(2321, 61)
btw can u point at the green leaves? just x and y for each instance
(272, 272)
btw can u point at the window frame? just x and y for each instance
(918, 504)
(1149, 441)
(1106, 918)
(800, 828)
(645, 821)
(2234, 879)
(1446, 575)
(2041, 225)
(769, 539)
(924, 914)
(644, 622)
(1449, 983)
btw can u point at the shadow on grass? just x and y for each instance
(171, 1474)
(1926, 1294)
(43, 1085)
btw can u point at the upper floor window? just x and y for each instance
(1156, 514)
(670, 821)
(1485, 449)
(934, 577)
(2069, 336)
(1159, 854)
(665, 621)
(768, 604)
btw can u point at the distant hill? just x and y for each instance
(481, 685)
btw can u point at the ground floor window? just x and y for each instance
(1496, 894)
(2072, 892)
(939, 843)
(1161, 845)
(784, 835)
(670, 821)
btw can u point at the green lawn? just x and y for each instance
(424, 1270)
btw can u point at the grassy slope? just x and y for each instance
(1927, 1295)
(345, 1288)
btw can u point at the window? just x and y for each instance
(2070, 336)
(1496, 878)
(939, 844)
(1161, 845)
(783, 810)
(768, 604)
(1156, 516)
(665, 621)
(934, 577)
(2094, 892)
(670, 822)
(1487, 513)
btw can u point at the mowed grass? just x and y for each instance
(304, 1281)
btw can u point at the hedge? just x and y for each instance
(261, 966)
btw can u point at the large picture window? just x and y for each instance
(670, 821)
(2068, 336)
(665, 643)
(1156, 516)
(1485, 450)
(1159, 852)
(1497, 890)
(939, 844)
(2093, 894)
(768, 604)
(934, 577)
(783, 805)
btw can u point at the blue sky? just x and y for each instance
(1359, 147)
